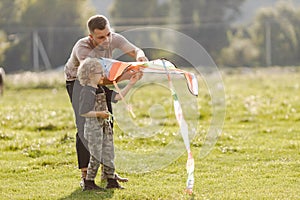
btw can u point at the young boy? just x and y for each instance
(95, 106)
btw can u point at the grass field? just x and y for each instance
(257, 156)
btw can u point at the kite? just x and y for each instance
(116, 71)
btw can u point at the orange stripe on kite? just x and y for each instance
(117, 69)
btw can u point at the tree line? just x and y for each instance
(57, 23)
(272, 38)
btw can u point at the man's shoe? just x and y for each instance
(121, 179)
(117, 177)
(113, 184)
(90, 185)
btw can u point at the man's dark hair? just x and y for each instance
(97, 22)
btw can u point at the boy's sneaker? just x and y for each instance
(82, 183)
(113, 184)
(90, 185)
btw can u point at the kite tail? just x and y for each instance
(190, 165)
(184, 133)
(129, 107)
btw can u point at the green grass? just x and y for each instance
(257, 155)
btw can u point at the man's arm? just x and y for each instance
(138, 55)
(130, 49)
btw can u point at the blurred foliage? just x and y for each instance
(12, 10)
(248, 45)
(125, 9)
(55, 21)
(240, 52)
(201, 20)
(10, 14)
(36, 80)
(209, 22)
(4, 44)
(284, 22)
(180, 11)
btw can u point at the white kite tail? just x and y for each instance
(184, 130)
(190, 166)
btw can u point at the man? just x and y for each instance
(100, 42)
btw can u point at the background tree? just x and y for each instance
(136, 12)
(240, 52)
(57, 23)
(10, 15)
(282, 42)
(273, 38)
(209, 21)
(206, 21)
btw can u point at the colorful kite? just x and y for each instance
(116, 71)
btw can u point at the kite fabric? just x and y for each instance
(116, 70)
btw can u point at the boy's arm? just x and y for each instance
(102, 114)
(131, 83)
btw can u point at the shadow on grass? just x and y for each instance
(192, 197)
(92, 194)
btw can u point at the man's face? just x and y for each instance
(101, 37)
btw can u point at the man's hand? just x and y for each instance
(142, 59)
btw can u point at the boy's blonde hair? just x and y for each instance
(87, 67)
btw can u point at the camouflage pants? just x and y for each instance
(99, 134)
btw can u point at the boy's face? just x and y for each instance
(99, 76)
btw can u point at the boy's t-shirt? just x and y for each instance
(87, 101)
(88, 97)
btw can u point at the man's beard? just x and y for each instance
(103, 47)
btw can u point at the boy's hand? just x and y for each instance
(134, 78)
(103, 114)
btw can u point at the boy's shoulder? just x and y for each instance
(103, 89)
(88, 89)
